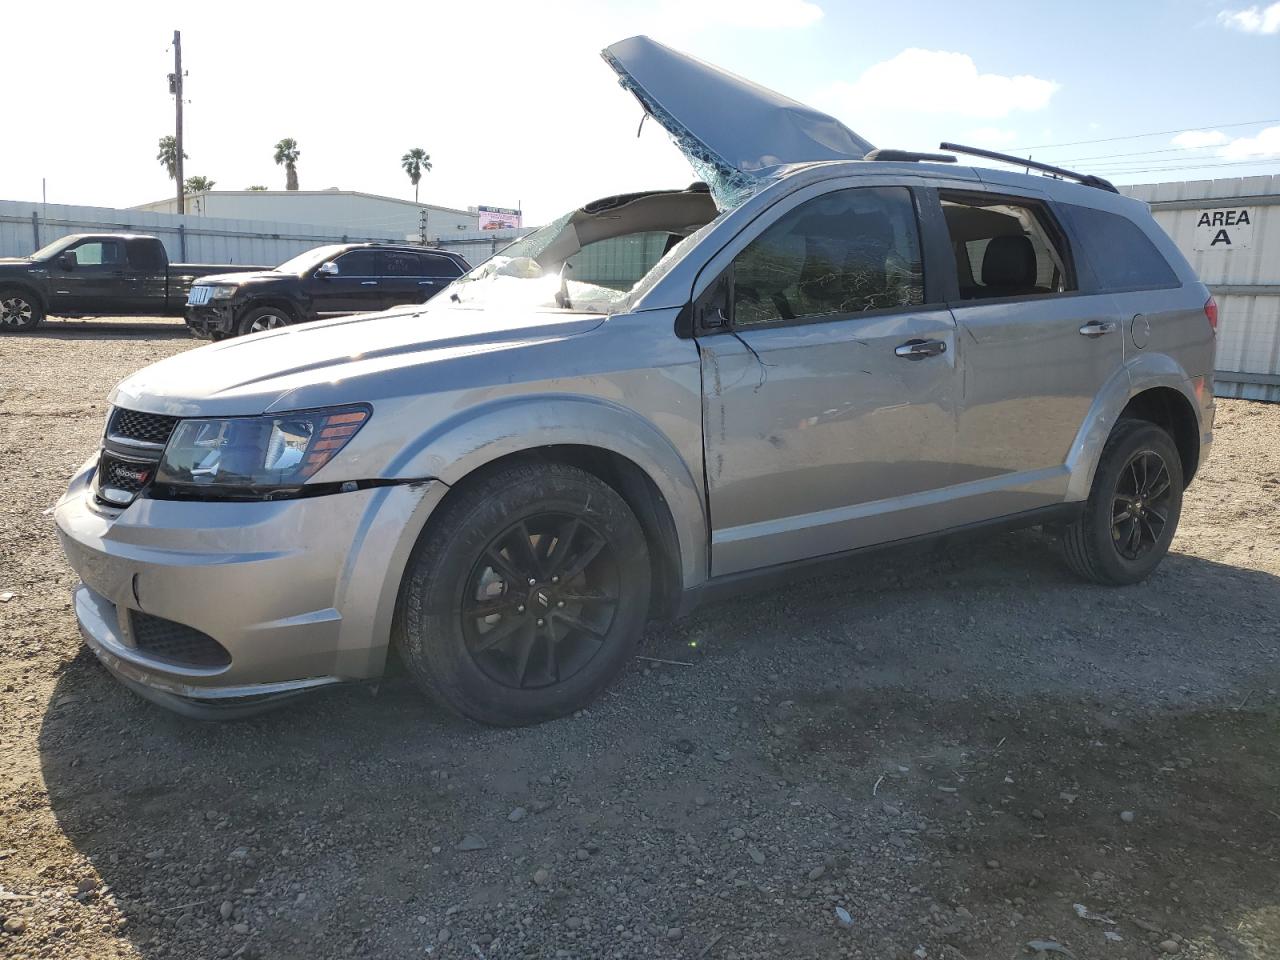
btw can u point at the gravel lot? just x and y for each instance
(956, 748)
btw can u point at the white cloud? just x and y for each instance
(939, 81)
(991, 137)
(1266, 143)
(749, 14)
(1195, 139)
(1252, 19)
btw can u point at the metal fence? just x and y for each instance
(25, 227)
(478, 247)
(1239, 262)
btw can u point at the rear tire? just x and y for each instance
(526, 596)
(1133, 508)
(19, 311)
(260, 319)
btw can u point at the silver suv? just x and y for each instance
(821, 349)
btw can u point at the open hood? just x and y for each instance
(733, 131)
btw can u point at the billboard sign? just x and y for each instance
(499, 218)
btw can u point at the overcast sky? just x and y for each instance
(515, 106)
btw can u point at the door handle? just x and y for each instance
(920, 349)
(368, 283)
(427, 283)
(1097, 328)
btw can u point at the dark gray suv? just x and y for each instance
(657, 398)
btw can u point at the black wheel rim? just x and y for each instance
(1140, 507)
(540, 601)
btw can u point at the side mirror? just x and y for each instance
(329, 269)
(68, 261)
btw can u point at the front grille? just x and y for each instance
(143, 427)
(199, 296)
(176, 643)
(120, 474)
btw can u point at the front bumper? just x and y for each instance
(299, 593)
(216, 316)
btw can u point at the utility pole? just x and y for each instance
(175, 87)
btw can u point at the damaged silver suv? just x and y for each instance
(816, 350)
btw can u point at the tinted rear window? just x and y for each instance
(434, 266)
(1122, 255)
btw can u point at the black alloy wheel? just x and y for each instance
(540, 601)
(525, 595)
(1131, 515)
(1140, 506)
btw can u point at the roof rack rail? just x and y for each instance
(1088, 179)
(909, 156)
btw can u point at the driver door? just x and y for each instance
(97, 283)
(355, 288)
(829, 386)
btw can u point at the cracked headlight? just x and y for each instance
(255, 456)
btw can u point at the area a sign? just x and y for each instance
(1226, 228)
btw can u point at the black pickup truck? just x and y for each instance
(97, 274)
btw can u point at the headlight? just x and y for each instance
(255, 455)
(222, 291)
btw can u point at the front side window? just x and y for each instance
(1003, 248)
(358, 263)
(97, 253)
(843, 253)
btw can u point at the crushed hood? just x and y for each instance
(733, 131)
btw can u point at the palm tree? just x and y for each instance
(168, 156)
(416, 162)
(199, 184)
(287, 152)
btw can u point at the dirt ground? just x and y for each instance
(947, 755)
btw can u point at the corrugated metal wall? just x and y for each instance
(24, 227)
(1245, 281)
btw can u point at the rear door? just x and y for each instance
(437, 273)
(1038, 343)
(97, 284)
(829, 382)
(412, 276)
(147, 271)
(401, 272)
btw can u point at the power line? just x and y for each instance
(1211, 161)
(1139, 153)
(1155, 133)
(1190, 166)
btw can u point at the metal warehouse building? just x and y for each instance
(1230, 231)
(347, 210)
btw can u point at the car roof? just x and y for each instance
(987, 179)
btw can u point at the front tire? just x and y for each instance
(19, 311)
(526, 596)
(260, 319)
(1133, 508)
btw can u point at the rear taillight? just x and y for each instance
(1211, 313)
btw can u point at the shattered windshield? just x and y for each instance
(591, 259)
